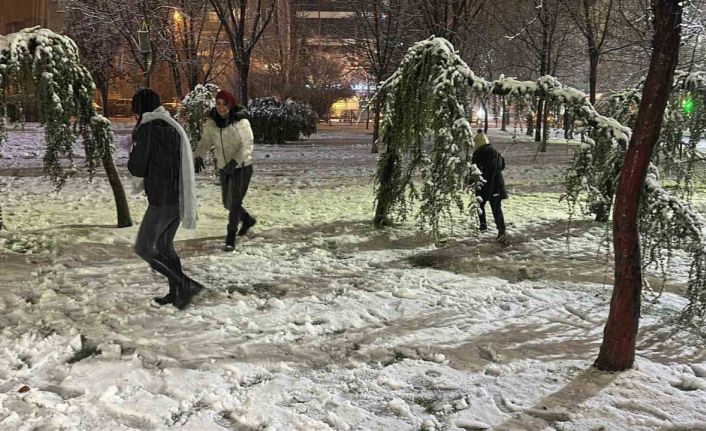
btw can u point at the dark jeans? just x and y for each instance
(497, 208)
(155, 240)
(233, 190)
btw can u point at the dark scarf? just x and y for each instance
(235, 114)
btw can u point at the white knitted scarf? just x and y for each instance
(187, 184)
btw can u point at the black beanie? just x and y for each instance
(145, 100)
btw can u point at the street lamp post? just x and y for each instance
(143, 40)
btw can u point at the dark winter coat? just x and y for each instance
(156, 157)
(491, 165)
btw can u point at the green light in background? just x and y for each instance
(687, 105)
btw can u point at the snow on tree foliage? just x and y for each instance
(426, 98)
(667, 221)
(194, 110)
(425, 129)
(65, 91)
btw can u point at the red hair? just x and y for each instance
(227, 97)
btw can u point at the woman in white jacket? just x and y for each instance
(228, 132)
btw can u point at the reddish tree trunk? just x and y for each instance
(618, 349)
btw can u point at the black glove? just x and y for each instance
(199, 164)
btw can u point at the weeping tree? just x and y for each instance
(432, 138)
(433, 72)
(439, 82)
(65, 94)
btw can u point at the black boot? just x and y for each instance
(195, 287)
(182, 290)
(186, 291)
(248, 222)
(183, 295)
(168, 298)
(230, 241)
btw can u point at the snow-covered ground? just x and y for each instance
(318, 321)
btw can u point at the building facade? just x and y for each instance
(327, 24)
(18, 14)
(320, 31)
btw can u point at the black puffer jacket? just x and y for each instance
(156, 157)
(491, 164)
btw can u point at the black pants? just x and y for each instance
(233, 190)
(497, 208)
(155, 240)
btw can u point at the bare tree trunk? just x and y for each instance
(2, 224)
(545, 129)
(505, 117)
(384, 193)
(244, 71)
(376, 125)
(104, 101)
(103, 88)
(123, 210)
(540, 119)
(530, 126)
(619, 337)
(485, 115)
(593, 56)
(176, 79)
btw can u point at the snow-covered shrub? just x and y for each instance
(275, 122)
(193, 110)
(306, 120)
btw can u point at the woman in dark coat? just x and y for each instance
(491, 165)
(161, 157)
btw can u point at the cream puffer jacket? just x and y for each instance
(234, 142)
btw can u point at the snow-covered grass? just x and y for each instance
(318, 321)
